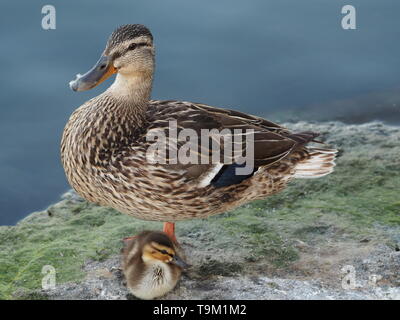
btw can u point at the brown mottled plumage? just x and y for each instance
(104, 144)
(151, 264)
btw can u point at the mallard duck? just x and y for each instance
(105, 141)
(151, 264)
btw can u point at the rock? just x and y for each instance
(223, 287)
(336, 237)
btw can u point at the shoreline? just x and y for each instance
(291, 245)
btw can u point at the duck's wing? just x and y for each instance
(271, 142)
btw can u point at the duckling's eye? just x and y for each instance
(165, 252)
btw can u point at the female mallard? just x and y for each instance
(105, 141)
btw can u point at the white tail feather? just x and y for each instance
(320, 163)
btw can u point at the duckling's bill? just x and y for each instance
(103, 69)
(178, 261)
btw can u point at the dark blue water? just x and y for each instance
(271, 58)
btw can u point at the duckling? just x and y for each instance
(152, 264)
(105, 144)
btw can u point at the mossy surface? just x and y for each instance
(359, 201)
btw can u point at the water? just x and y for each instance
(282, 59)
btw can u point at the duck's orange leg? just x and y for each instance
(169, 229)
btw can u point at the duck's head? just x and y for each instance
(129, 52)
(158, 247)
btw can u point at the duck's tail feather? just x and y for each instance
(319, 163)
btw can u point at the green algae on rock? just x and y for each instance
(307, 231)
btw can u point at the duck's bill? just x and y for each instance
(179, 262)
(100, 72)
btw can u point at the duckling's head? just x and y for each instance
(151, 264)
(129, 52)
(158, 248)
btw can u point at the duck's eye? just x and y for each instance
(132, 46)
(163, 251)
